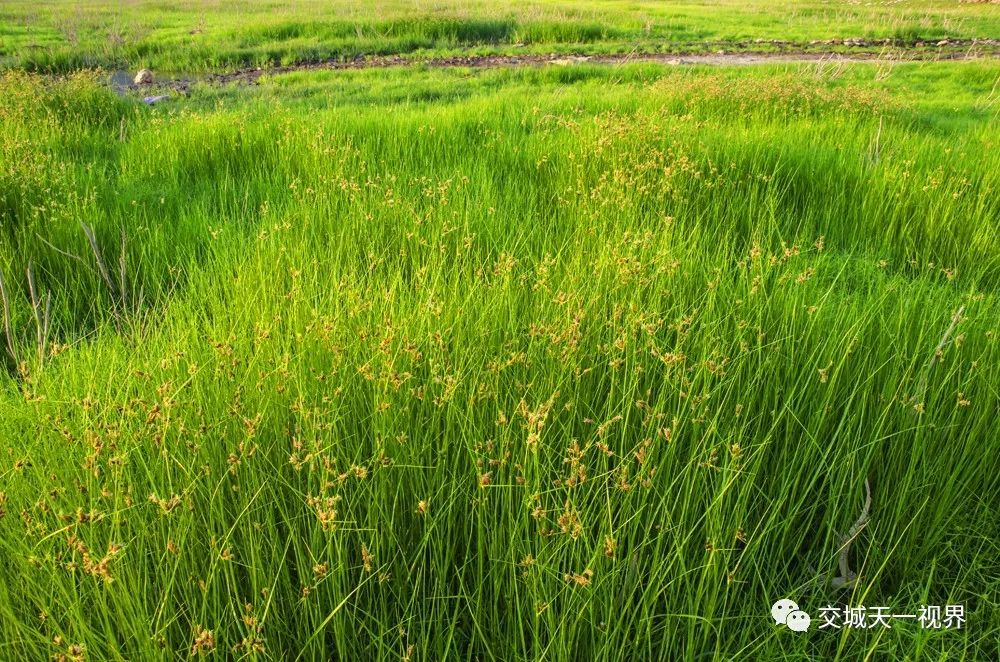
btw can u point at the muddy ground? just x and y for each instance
(711, 53)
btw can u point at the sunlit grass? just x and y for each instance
(567, 363)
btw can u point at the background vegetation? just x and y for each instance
(189, 35)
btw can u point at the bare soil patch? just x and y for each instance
(720, 54)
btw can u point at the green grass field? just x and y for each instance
(542, 363)
(189, 35)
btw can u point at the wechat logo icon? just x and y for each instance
(787, 612)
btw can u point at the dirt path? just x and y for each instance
(733, 54)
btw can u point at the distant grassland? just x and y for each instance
(556, 363)
(194, 35)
